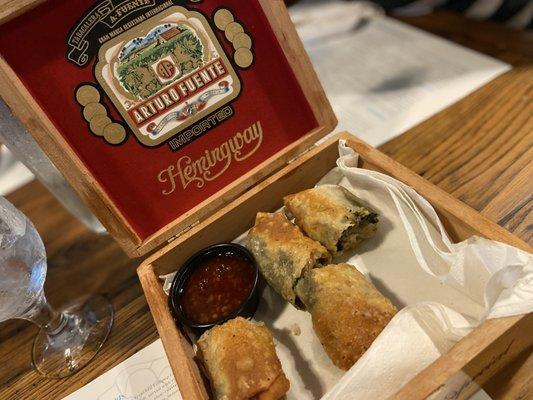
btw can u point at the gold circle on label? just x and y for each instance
(98, 123)
(114, 133)
(91, 110)
(242, 41)
(223, 17)
(232, 29)
(243, 58)
(87, 94)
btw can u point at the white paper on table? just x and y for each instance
(144, 376)
(382, 76)
(443, 290)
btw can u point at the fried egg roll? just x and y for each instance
(283, 253)
(241, 362)
(333, 216)
(347, 311)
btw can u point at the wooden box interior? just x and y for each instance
(477, 357)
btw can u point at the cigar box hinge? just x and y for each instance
(183, 231)
(301, 154)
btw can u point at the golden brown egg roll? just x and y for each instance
(283, 253)
(241, 362)
(348, 312)
(333, 216)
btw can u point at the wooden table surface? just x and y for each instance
(480, 150)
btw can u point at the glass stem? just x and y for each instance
(44, 316)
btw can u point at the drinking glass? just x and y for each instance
(67, 340)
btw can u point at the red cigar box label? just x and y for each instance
(165, 102)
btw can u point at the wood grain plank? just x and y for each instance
(516, 382)
(480, 149)
(512, 207)
(176, 345)
(10, 9)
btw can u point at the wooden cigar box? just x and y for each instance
(177, 121)
(477, 357)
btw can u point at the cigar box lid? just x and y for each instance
(159, 112)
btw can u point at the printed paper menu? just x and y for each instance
(144, 376)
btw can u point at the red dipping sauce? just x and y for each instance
(217, 287)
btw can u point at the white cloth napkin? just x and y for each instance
(443, 290)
